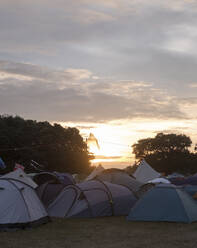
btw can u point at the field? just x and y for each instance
(108, 232)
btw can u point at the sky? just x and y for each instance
(123, 70)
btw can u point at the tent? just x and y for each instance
(95, 172)
(65, 178)
(87, 199)
(21, 176)
(49, 191)
(159, 180)
(190, 189)
(2, 164)
(191, 180)
(20, 206)
(120, 177)
(165, 203)
(43, 177)
(145, 172)
(175, 175)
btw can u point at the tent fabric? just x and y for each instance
(159, 180)
(95, 172)
(2, 164)
(145, 172)
(89, 199)
(119, 177)
(178, 180)
(192, 180)
(165, 203)
(21, 176)
(43, 177)
(145, 188)
(20, 206)
(55, 177)
(48, 192)
(175, 175)
(65, 178)
(190, 189)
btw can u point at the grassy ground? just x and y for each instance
(109, 232)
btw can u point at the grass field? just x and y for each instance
(108, 232)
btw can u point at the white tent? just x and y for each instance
(145, 172)
(19, 175)
(20, 206)
(97, 171)
(159, 180)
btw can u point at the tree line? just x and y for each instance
(54, 147)
(64, 150)
(168, 153)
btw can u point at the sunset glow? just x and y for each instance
(121, 70)
(116, 138)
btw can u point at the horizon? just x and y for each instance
(122, 70)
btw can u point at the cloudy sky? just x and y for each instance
(121, 69)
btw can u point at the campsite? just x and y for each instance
(47, 205)
(98, 123)
(109, 208)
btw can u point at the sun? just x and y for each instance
(105, 143)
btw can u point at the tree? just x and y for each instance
(57, 148)
(166, 152)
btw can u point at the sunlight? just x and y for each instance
(116, 138)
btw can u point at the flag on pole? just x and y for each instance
(92, 141)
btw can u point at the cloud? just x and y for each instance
(43, 97)
(193, 85)
(143, 40)
(111, 59)
(79, 73)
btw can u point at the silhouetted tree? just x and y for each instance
(167, 153)
(57, 148)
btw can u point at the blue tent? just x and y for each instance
(190, 189)
(165, 203)
(2, 164)
(192, 180)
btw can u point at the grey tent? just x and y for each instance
(87, 199)
(43, 177)
(55, 177)
(20, 206)
(95, 172)
(165, 203)
(120, 177)
(145, 172)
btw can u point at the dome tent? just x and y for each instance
(118, 176)
(89, 199)
(20, 206)
(165, 203)
(44, 177)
